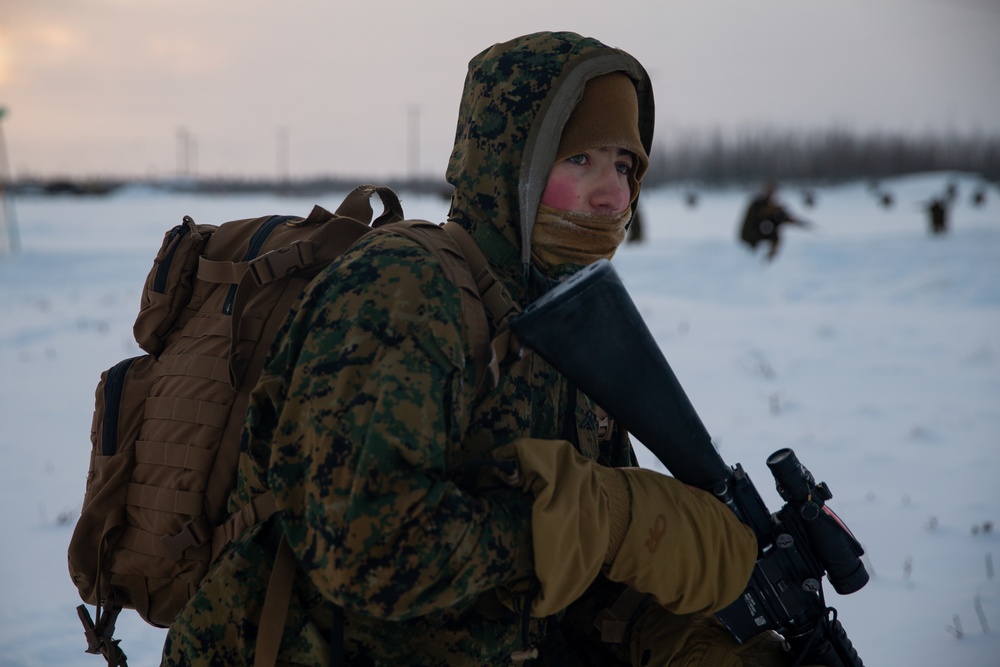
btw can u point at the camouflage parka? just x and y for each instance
(368, 427)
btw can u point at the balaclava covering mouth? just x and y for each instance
(606, 115)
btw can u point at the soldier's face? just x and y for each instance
(595, 181)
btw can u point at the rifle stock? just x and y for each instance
(589, 329)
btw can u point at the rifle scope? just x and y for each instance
(835, 547)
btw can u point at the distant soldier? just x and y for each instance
(951, 192)
(763, 219)
(884, 197)
(808, 198)
(938, 213)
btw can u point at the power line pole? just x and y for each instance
(187, 153)
(9, 239)
(282, 154)
(183, 164)
(413, 145)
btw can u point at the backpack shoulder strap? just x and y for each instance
(456, 268)
(482, 296)
(499, 305)
(276, 602)
(484, 300)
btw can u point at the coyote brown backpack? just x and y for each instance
(166, 428)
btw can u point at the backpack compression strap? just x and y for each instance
(99, 634)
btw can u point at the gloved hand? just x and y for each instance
(698, 640)
(642, 528)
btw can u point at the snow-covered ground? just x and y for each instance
(868, 346)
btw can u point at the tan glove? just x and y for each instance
(643, 528)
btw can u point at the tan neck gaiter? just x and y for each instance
(561, 237)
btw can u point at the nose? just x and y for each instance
(610, 192)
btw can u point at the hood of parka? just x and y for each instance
(518, 96)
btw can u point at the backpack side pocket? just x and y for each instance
(118, 414)
(170, 283)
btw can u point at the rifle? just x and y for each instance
(589, 329)
(782, 217)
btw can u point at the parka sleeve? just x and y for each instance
(371, 421)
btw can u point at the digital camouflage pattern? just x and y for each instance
(367, 426)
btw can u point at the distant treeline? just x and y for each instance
(708, 159)
(817, 157)
(311, 186)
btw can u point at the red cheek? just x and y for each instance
(560, 194)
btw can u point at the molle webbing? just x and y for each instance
(165, 434)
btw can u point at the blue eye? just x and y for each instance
(627, 161)
(577, 159)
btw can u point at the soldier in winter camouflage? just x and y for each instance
(380, 447)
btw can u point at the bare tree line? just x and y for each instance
(835, 155)
(708, 158)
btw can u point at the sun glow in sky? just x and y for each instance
(108, 87)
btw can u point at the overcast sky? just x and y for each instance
(307, 87)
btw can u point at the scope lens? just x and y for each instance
(793, 480)
(779, 457)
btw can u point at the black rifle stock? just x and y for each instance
(589, 329)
